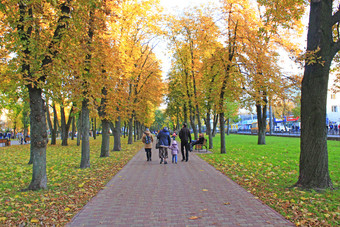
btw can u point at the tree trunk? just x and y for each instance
(94, 128)
(192, 123)
(65, 126)
(50, 125)
(270, 120)
(209, 131)
(185, 113)
(198, 120)
(117, 146)
(228, 123)
(105, 148)
(64, 135)
(130, 138)
(134, 130)
(85, 140)
(79, 129)
(314, 173)
(55, 123)
(222, 132)
(73, 126)
(262, 123)
(38, 139)
(124, 129)
(215, 121)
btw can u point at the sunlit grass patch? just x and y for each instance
(269, 171)
(69, 187)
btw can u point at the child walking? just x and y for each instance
(174, 151)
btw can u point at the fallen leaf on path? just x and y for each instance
(194, 217)
(34, 220)
(205, 190)
(227, 203)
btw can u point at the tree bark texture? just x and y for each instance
(130, 138)
(117, 145)
(65, 126)
(85, 137)
(209, 131)
(79, 130)
(192, 122)
(314, 171)
(222, 132)
(73, 127)
(215, 121)
(105, 148)
(262, 123)
(38, 139)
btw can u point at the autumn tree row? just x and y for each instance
(232, 56)
(94, 58)
(226, 56)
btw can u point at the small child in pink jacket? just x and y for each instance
(174, 151)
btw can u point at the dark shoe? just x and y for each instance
(165, 162)
(186, 160)
(176, 162)
(183, 160)
(161, 161)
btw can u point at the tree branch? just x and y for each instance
(335, 47)
(336, 17)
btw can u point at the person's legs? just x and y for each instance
(161, 154)
(165, 155)
(182, 150)
(187, 148)
(147, 154)
(176, 158)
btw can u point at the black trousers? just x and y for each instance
(185, 145)
(148, 154)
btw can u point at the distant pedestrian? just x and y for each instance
(164, 142)
(174, 136)
(336, 129)
(185, 137)
(174, 151)
(147, 139)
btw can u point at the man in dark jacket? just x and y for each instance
(185, 137)
(164, 142)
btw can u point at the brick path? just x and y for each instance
(187, 194)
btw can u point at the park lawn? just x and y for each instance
(269, 171)
(69, 187)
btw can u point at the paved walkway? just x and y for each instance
(187, 194)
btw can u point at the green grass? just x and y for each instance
(69, 188)
(269, 171)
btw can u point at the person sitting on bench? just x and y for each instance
(199, 141)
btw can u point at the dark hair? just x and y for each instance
(185, 124)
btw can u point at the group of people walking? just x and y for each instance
(165, 143)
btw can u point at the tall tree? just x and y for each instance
(322, 45)
(24, 30)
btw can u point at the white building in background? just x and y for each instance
(333, 103)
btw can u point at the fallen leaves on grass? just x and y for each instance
(268, 171)
(69, 188)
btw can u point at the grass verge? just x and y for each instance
(69, 187)
(268, 172)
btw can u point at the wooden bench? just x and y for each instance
(200, 146)
(27, 139)
(7, 142)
